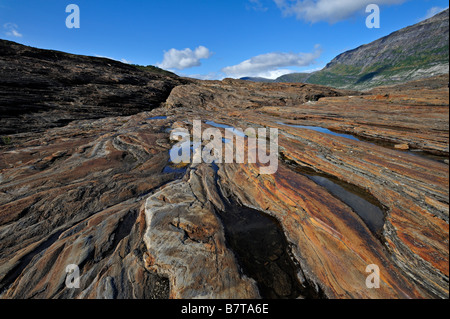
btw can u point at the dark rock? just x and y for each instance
(40, 89)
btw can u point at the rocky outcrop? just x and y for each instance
(41, 89)
(74, 196)
(241, 94)
(184, 232)
(103, 195)
(409, 186)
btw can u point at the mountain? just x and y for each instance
(257, 79)
(412, 53)
(293, 78)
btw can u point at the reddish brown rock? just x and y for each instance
(101, 194)
(404, 147)
(73, 195)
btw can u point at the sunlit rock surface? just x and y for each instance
(102, 194)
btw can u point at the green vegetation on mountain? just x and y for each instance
(257, 79)
(415, 52)
(293, 77)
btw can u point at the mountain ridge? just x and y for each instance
(399, 57)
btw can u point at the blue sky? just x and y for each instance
(210, 39)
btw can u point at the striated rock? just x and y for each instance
(413, 114)
(73, 196)
(185, 242)
(240, 94)
(410, 187)
(102, 194)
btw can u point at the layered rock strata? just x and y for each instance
(103, 195)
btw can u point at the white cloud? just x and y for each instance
(271, 65)
(209, 76)
(184, 59)
(11, 30)
(331, 11)
(274, 74)
(432, 12)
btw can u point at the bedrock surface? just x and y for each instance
(103, 194)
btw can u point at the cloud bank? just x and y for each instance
(331, 11)
(270, 65)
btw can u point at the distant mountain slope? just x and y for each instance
(415, 52)
(257, 79)
(293, 77)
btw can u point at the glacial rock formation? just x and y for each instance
(186, 242)
(40, 89)
(240, 94)
(103, 194)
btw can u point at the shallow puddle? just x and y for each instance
(232, 129)
(364, 204)
(385, 144)
(372, 215)
(322, 130)
(263, 252)
(157, 118)
(173, 169)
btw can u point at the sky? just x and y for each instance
(210, 39)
